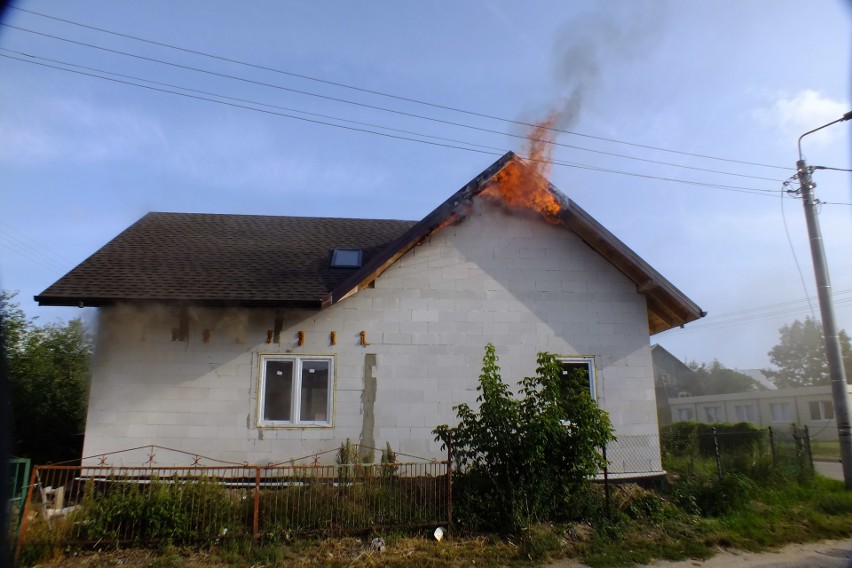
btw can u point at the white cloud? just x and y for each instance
(796, 114)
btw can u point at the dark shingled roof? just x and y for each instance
(222, 260)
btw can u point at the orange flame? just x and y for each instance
(525, 187)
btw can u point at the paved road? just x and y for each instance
(828, 554)
(830, 469)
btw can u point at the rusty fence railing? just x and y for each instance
(142, 505)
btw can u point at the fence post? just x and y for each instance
(810, 453)
(718, 454)
(449, 484)
(606, 481)
(23, 529)
(254, 526)
(771, 444)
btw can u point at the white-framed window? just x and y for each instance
(781, 412)
(684, 414)
(572, 364)
(821, 409)
(713, 414)
(745, 412)
(295, 390)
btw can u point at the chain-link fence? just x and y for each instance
(629, 457)
(735, 448)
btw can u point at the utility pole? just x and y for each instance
(839, 388)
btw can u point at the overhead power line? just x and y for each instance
(376, 107)
(392, 96)
(749, 315)
(32, 60)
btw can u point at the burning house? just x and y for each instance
(259, 339)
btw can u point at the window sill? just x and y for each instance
(289, 426)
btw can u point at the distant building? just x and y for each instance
(805, 406)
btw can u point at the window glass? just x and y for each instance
(781, 412)
(684, 414)
(295, 390)
(314, 397)
(821, 409)
(745, 413)
(578, 373)
(277, 403)
(346, 258)
(815, 411)
(713, 413)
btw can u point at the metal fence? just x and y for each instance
(630, 457)
(143, 505)
(737, 449)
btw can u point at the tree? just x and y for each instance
(715, 378)
(799, 357)
(48, 372)
(522, 459)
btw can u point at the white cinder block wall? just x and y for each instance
(520, 283)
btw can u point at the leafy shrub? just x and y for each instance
(520, 460)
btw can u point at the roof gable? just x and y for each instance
(667, 306)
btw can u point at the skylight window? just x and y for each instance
(346, 258)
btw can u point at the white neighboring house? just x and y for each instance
(259, 339)
(805, 406)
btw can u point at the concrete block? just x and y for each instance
(424, 315)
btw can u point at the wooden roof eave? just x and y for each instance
(668, 307)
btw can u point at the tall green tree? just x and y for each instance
(799, 358)
(715, 378)
(48, 372)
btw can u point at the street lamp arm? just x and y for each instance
(847, 116)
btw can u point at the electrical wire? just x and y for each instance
(379, 108)
(832, 169)
(389, 95)
(786, 303)
(248, 101)
(740, 189)
(735, 322)
(785, 191)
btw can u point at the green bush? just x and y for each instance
(520, 460)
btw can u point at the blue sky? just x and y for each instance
(82, 158)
